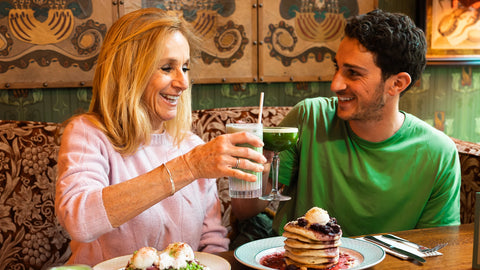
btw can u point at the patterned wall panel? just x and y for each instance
(51, 43)
(299, 39)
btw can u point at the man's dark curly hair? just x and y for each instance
(397, 44)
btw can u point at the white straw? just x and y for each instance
(260, 109)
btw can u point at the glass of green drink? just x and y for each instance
(239, 188)
(278, 139)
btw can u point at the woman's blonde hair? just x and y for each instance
(127, 61)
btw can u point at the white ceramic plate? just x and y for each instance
(250, 253)
(213, 262)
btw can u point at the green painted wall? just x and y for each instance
(450, 91)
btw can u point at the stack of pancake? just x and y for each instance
(312, 240)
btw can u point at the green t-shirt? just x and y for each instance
(411, 180)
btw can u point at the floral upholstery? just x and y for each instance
(470, 163)
(30, 235)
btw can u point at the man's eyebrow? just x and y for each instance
(352, 66)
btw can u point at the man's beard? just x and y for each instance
(373, 111)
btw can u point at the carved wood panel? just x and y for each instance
(299, 38)
(51, 43)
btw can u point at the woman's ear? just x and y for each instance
(399, 82)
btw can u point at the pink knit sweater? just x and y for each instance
(88, 163)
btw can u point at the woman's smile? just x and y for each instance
(171, 99)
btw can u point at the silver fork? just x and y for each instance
(435, 248)
(420, 248)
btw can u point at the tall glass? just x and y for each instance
(239, 188)
(278, 139)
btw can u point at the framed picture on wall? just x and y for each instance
(453, 31)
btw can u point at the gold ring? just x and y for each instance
(238, 163)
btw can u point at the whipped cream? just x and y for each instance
(317, 215)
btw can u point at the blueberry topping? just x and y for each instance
(330, 228)
(291, 267)
(302, 222)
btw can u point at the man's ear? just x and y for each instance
(399, 82)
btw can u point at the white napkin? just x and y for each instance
(405, 246)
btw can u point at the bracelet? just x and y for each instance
(171, 179)
(188, 166)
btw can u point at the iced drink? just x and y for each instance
(240, 188)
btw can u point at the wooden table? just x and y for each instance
(456, 255)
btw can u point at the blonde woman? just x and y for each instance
(131, 174)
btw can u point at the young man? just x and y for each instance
(371, 166)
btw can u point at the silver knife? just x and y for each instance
(394, 248)
(404, 241)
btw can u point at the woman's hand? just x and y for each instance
(218, 158)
